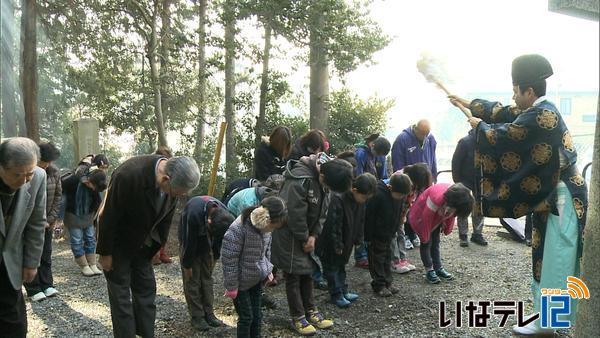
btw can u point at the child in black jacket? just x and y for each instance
(343, 229)
(383, 217)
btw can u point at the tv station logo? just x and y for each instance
(554, 303)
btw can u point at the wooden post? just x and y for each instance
(587, 311)
(213, 173)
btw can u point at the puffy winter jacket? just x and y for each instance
(245, 255)
(425, 216)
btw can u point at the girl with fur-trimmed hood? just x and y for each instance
(245, 256)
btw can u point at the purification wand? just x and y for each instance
(433, 70)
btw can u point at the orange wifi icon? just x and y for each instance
(577, 288)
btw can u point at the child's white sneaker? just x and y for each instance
(50, 292)
(408, 264)
(532, 329)
(408, 244)
(38, 297)
(401, 267)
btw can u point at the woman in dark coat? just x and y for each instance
(272, 153)
(313, 142)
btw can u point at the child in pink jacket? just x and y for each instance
(434, 211)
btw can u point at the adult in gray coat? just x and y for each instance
(293, 244)
(22, 222)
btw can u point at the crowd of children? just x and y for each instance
(303, 218)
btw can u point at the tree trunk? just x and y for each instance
(155, 78)
(29, 81)
(165, 46)
(200, 128)
(319, 84)
(588, 324)
(230, 156)
(259, 129)
(151, 141)
(21, 120)
(7, 71)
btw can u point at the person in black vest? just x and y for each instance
(463, 171)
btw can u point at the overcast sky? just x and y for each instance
(478, 40)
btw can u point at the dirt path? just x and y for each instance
(500, 271)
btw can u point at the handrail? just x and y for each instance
(442, 171)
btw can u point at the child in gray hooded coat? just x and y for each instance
(245, 257)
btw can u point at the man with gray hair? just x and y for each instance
(133, 223)
(22, 222)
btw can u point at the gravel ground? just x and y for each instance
(500, 271)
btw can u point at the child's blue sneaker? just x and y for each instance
(432, 277)
(443, 274)
(350, 296)
(340, 301)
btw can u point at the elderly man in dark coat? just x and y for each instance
(22, 222)
(133, 224)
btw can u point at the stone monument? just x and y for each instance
(85, 137)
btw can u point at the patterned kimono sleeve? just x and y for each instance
(518, 161)
(494, 112)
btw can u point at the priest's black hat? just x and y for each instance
(529, 69)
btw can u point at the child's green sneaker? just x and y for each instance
(443, 274)
(432, 277)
